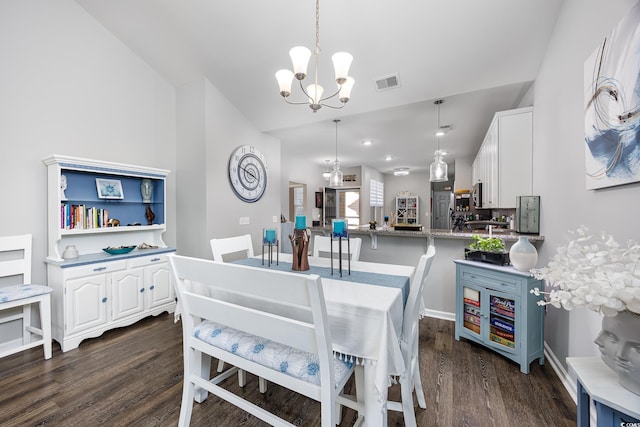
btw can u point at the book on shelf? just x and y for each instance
(472, 310)
(503, 341)
(506, 326)
(503, 303)
(81, 217)
(503, 334)
(472, 327)
(503, 312)
(472, 302)
(472, 319)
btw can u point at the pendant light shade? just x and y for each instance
(327, 173)
(438, 170)
(336, 178)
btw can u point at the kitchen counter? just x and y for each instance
(405, 248)
(507, 236)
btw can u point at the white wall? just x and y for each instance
(559, 160)
(70, 87)
(416, 183)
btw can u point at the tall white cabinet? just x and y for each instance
(504, 163)
(406, 208)
(96, 291)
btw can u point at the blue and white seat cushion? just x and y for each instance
(17, 292)
(280, 357)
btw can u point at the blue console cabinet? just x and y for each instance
(495, 308)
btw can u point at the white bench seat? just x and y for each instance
(282, 358)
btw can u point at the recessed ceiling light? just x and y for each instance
(367, 142)
(401, 171)
(388, 158)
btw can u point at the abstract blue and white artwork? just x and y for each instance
(612, 106)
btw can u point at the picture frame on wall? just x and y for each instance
(612, 115)
(319, 199)
(109, 188)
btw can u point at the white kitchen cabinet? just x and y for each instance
(504, 162)
(96, 291)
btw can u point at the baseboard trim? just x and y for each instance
(444, 315)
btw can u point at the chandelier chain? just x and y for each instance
(317, 27)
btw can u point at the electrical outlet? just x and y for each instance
(275, 218)
(244, 220)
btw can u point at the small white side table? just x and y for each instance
(615, 405)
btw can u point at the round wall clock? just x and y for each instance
(248, 173)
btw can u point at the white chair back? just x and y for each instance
(414, 301)
(322, 247)
(19, 264)
(17, 292)
(410, 380)
(231, 245)
(260, 303)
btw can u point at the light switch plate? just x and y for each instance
(275, 218)
(244, 220)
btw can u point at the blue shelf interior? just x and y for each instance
(82, 190)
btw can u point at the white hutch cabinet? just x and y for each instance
(96, 291)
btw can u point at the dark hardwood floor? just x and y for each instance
(133, 377)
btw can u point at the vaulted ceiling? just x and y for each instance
(479, 56)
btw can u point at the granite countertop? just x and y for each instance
(508, 236)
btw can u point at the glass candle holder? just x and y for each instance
(270, 236)
(301, 222)
(339, 227)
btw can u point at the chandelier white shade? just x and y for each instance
(438, 169)
(300, 56)
(336, 178)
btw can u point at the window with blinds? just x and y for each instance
(376, 193)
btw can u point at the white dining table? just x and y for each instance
(366, 323)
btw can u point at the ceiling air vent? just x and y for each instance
(387, 82)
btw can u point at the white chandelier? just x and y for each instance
(336, 178)
(300, 58)
(438, 169)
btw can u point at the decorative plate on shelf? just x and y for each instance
(119, 250)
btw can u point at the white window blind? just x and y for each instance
(376, 193)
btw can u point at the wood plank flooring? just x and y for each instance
(133, 377)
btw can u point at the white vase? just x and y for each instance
(523, 255)
(618, 342)
(70, 252)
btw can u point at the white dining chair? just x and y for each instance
(238, 246)
(410, 379)
(322, 247)
(15, 260)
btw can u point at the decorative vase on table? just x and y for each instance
(523, 254)
(619, 343)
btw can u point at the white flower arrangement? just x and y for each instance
(595, 273)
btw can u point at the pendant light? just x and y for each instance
(327, 172)
(335, 180)
(438, 169)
